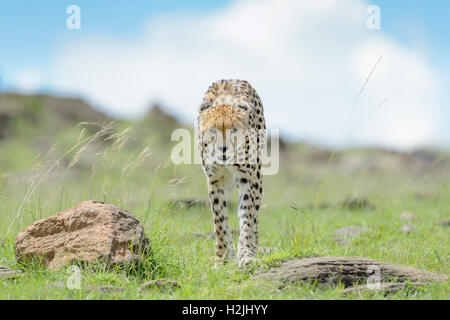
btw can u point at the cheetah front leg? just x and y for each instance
(246, 244)
(224, 239)
(258, 196)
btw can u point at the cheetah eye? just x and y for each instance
(233, 132)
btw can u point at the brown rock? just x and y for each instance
(90, 232)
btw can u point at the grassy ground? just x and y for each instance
(302, 207)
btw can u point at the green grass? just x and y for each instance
(147, 187)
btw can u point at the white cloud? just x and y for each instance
(28, 80)
(307, 59)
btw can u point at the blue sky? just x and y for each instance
(33, 36)
(414, 22)
(30, 31)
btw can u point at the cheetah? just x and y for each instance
(231, 129)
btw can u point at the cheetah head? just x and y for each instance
(222, 132)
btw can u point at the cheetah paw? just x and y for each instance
(222, 260)
(246, 261)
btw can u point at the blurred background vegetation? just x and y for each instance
(75, 146)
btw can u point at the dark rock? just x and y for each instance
(161, 284)
(346, 234)
(357, 203)
(6, 273)
(409, 228)
(385, 287)
(346, 270)
(444, 223)
(105, 289)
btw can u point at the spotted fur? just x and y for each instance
(232, 117)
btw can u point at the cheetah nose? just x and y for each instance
(223, 149)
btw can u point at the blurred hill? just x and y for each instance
(45, 113)
(32, 124)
